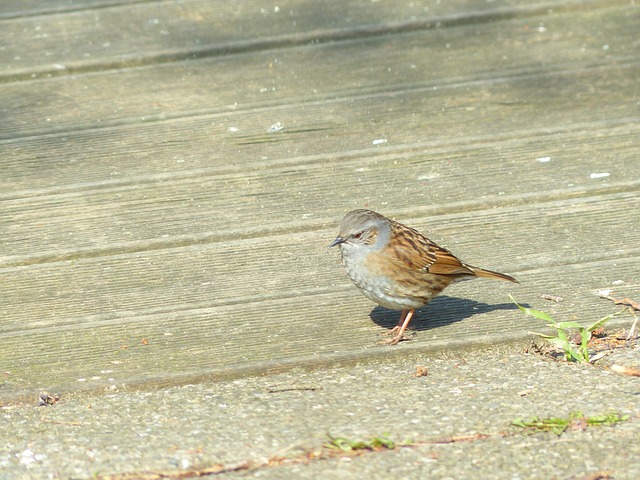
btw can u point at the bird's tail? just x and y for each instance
(481, 272)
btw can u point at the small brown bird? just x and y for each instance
(398, 267)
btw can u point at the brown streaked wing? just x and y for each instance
(447, 263)
(410, 248)
(416, 252)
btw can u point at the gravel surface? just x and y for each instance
(457, 420)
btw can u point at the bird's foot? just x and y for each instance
(393, 331)
(396, 339)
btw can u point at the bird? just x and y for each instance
(397, 266)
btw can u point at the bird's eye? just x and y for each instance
(357, 235)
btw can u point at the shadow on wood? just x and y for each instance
(442, 310)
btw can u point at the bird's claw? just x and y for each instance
(393, 331)
(396, 339)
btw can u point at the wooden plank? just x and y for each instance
(150, 32)
(240, 271)
(436, 63)
(260, 337)
(480, 113)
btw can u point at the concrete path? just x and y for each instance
(455, 422)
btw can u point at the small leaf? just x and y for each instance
(383, 442)
(562, 335)
(607, 419)
(604, 320)
(361, 445)
(518, 422)
(534, 313)
(339, 443)
(559, 429)
(543, 335)
(584, 344)
(537, 314)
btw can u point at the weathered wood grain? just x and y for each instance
(288, 265)
(216, 207)
(507, 56)
(235, 340)
(152, 231)
(100, 37)
(255, 302)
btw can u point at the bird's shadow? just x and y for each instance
(441, 311)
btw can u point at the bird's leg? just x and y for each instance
(395, 329)
(404, 319)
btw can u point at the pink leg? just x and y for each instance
(405, 318)
(395, 329)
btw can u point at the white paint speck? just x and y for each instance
(599, 175)
(276, 127)
(429, 176)
(27, 457)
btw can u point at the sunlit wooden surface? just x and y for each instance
(172, 173)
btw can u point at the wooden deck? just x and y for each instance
(155, 231)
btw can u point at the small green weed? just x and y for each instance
(554, 424)
(607, 419)
(572, 352)
(347, 445)
(558, 425)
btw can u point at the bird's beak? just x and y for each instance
(337, 241)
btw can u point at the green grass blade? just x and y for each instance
(534, 313)
(604, 320)
(585, 336)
